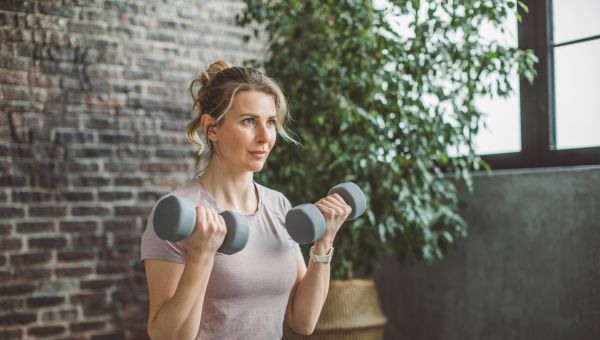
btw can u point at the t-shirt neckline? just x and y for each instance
(213, 202)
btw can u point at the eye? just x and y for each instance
(272, 122)
(245, 121)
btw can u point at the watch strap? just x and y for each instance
(321, 258)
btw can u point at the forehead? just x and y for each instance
(255, 102)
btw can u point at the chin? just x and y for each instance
(257, 168)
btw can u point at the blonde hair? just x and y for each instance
(213, 94)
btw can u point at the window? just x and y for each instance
(560, 112)
(576, 49)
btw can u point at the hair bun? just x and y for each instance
(212, 70)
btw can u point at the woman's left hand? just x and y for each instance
(335, 211)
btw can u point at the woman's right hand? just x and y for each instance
(208, 234)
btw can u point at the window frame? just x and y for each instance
(537, 102)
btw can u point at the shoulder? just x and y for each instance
(155, 248)
(191, 190)
(273, 199)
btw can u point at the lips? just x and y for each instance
(258, 152)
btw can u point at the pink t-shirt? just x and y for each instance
(248, 291)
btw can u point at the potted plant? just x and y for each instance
(384, 105)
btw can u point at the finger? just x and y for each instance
(200, 216)
(330, 205)
(346, 208)
(222, 225)
(217, 220)
(334, 202)
(336, 206)
(325, 209)
(337, 198)
(214, 219)
(209, 226)
(208, 214)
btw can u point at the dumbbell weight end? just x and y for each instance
(353, 196)
(305, 223)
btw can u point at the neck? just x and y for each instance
(232, 190)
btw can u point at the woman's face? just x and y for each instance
(248, 131)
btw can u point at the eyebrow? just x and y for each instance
(254, 115)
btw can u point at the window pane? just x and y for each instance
(577, 95)
(575, 19)
(502, 115)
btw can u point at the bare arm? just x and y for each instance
(176, 297)
(177, 291)
(309, 293)
(312, 285)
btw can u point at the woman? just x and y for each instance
(195, 292)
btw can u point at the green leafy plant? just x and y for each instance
(384, 107)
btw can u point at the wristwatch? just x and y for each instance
(320, 258)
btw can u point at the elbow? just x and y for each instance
(156, 334)
(306, 331)
(158, 331)
(302, 330)
(153, 334)
(303, 326)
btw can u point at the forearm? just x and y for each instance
(180, 316)
(311, 292)
(192, 324)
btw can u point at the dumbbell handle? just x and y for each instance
(175, 220)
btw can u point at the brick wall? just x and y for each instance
(93, 104)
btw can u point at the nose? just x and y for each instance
(263, 133)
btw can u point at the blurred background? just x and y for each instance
(93, 106)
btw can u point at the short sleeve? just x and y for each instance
(155, 248)
(287, 206)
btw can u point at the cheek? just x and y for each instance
(235, 141)
(241, 136)
(242, 140)
(273, 136)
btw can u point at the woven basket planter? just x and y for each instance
(351, 312)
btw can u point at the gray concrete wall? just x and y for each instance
(529, 269)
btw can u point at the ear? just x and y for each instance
(208, 124)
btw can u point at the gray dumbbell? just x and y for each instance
(305, 223)
(175, 219)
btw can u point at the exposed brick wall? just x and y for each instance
(93, 106)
